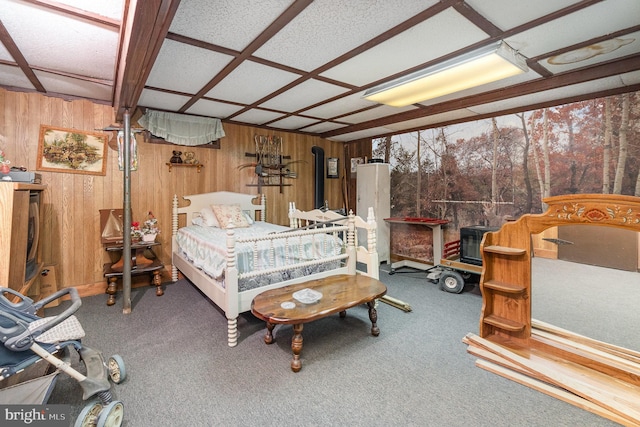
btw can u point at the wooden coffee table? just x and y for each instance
(339, 293)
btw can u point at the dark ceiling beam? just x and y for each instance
(143, 31)
(14, 51)
(608, 69)
(280, 22)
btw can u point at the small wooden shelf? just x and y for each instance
(502, 323)
(504, 287)
(184, 165)
(503, 250)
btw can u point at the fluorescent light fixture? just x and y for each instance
(489, 64)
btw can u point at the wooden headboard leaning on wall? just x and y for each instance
(593, 375)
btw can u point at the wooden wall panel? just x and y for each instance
(71, 234)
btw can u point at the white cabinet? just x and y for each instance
(374, 184)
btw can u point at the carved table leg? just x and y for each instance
(296, 346)
(157, 282)
(112, 288)
(268, 336)
(373, 316)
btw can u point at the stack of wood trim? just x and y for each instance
(599, 377)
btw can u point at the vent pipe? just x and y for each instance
(318, 195)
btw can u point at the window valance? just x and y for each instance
(182, 129)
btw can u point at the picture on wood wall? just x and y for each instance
(71, 151)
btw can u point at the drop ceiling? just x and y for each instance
(303, 65)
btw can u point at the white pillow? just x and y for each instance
(198, 221)
(248, 217)
(228, 214)
(208, 217)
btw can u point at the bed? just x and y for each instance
(232, 264)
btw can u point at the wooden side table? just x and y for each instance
(140, 264)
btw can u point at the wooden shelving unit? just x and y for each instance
(596, 376)
(14, 230)
(184, 165)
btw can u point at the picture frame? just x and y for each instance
(332, 167)
(355, 161)
(71, 151)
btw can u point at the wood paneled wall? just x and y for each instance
(71, 234)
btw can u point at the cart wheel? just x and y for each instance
(451, 281)
(111, 415)
(117, 372)
(89, 415)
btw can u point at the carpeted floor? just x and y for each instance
(416, 373)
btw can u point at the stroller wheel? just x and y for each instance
(117, 372)
(89, 415)
(111, 415)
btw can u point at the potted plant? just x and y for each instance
(150, 228)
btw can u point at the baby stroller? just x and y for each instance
(28, 339)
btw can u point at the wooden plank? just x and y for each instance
(623, 352)
(616, 396)
(558, 393)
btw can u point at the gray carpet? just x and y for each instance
(416, 373)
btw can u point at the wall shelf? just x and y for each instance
(184, 165)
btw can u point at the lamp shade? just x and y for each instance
(486, 65)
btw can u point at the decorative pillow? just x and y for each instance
(248, 218)
(227, 214)
(208, 217)
(198, 221)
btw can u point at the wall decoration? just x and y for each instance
(332, 167)
(71, 151)
(355, 161)
(133, 154)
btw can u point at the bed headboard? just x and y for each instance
(199, 201)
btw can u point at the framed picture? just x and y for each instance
(332, 167)
(355, 161)
(71, 151)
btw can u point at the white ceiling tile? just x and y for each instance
(220, 110)
(110, 8)
(577, 27)
(162, 100)
(409, 49)
(368, 133)
(170, 72)
(339, 107)
(507, 14)
(429, 120)
(218, 22)
(323, 127)
(93, 48)
(257, 116)
(590, 55)
(632, 78)
(327, 29)
(549, 95)
(293, 122)
(302, 95)
(375, 113)
(13, 76)
(60, 84)
(250, 82)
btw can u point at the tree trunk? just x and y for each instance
(622, 145)
(419, 177)
(494, 164)
(545, 153)
(606, 155)
(525, 166)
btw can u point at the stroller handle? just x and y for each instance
(19, 338)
